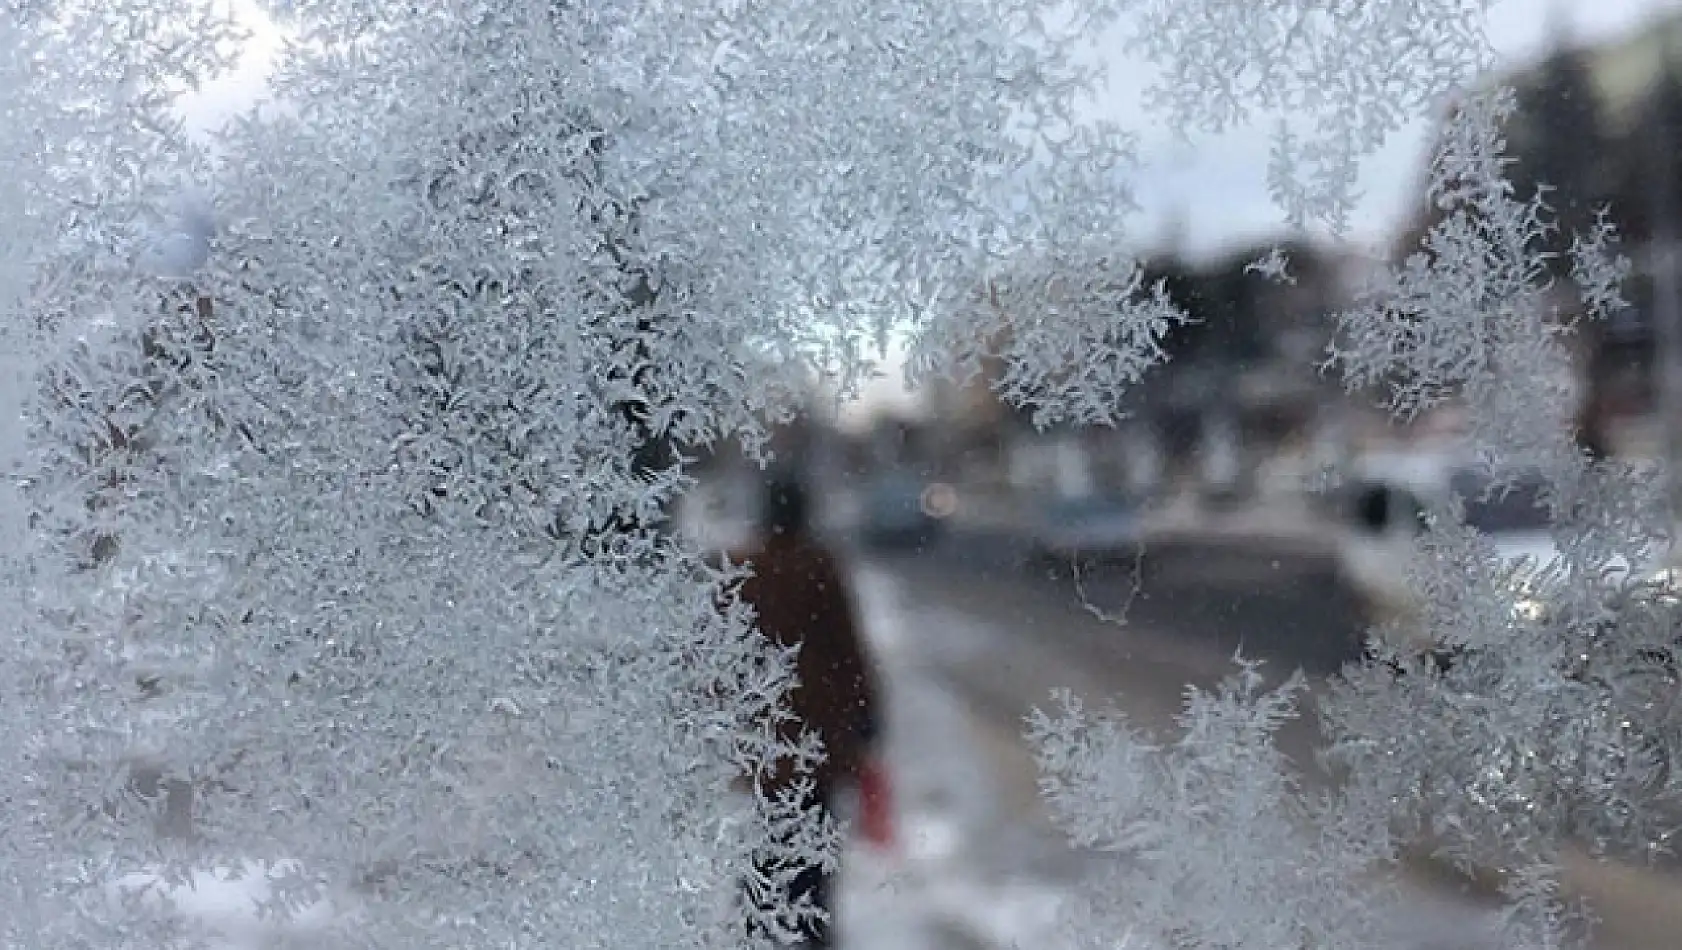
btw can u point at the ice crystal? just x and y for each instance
(1336, 77)
(339, 521)
(1539, 716)
(356, 482)
(1217, 845)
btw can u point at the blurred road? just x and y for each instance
(973, 639)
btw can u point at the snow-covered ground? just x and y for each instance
(946, 885)
(226, 902)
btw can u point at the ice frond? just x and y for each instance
(1543, 683)
(1215, 845)
(1069, 335)
(1337, 77)
(1473, 314)
(1598, 270)
(1466, 313)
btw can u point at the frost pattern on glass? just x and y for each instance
(1217, 845)
(358, 495)
(92, 156)
(341, 523)
(1072, 332)
(1545, 712)
(1335, 77)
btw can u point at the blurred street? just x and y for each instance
(971, 640)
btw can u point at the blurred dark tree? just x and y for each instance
(1237, 311)
(1561, 152)
(1646, 166)
(1646, 197)
(1559, 143)
(1560, 148)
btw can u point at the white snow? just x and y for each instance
(938, 889)
(227, 902)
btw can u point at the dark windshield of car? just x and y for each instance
(1517, 507)
(1089, 507)
(894, 486)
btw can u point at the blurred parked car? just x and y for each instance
(902, 510)
(1086, 528)
(1385, 514)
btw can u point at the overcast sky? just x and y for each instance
(1218, 189)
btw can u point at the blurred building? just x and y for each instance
(1242, 383)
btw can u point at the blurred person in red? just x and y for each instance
(801, 600)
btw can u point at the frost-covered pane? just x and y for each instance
(340, 465)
